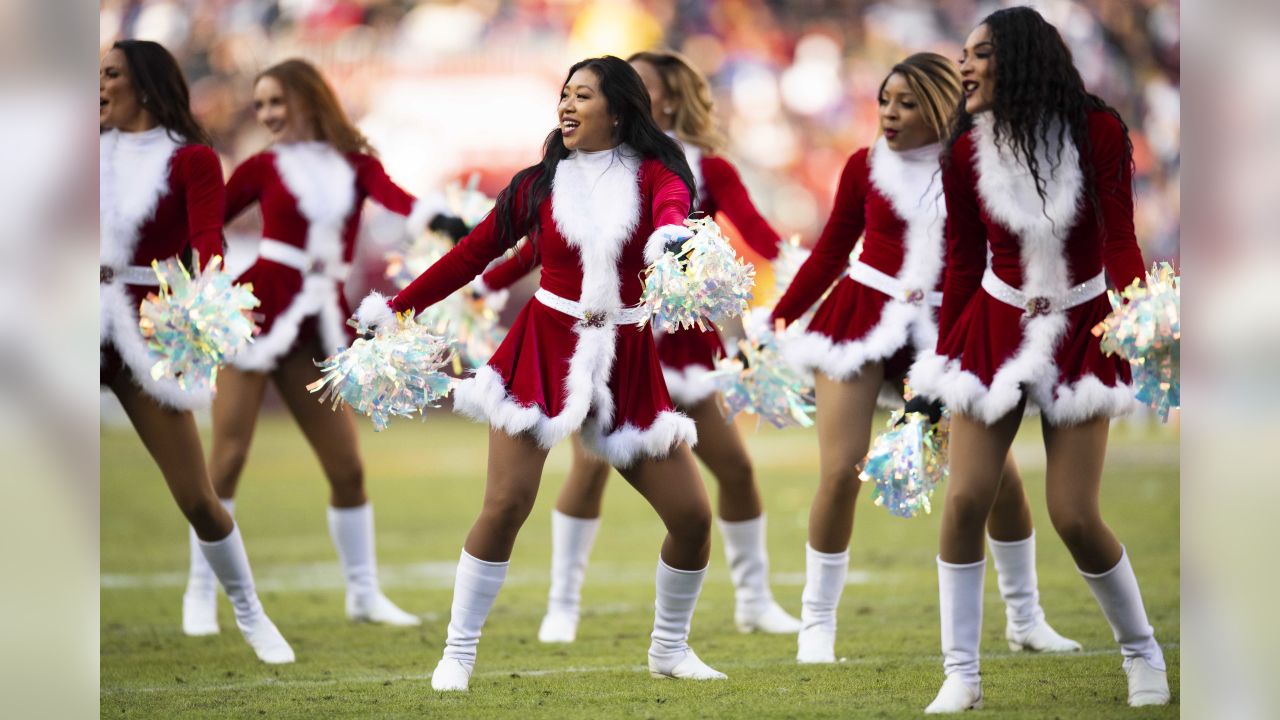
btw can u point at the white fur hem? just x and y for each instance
(689, 385)
(657, 242)
(962, 391)
(900, 325)
(319, 296)
(119, 327)
(375, 312)
(629, 444)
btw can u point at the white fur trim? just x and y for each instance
(1007, 191)
(595, 202)
(133, 174)
(424, 208)
(324, 185)
(689, 385)
(374, 312)
(656, 244)
(628, 444)
(120, 329)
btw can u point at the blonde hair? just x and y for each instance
(307, 92)
(936, 84)
(690, 94)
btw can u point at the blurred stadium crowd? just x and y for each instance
(447, 89)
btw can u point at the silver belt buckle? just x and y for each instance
(913, 297)
(593, 319)
(106, 274)
(1037, 306)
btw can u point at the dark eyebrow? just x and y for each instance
(988, 43)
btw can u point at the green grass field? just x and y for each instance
(426, 482)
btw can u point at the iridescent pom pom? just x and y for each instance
(466, 202)
(1144, 327)
(198, 321)
(907, 462)
(761, 383)
(704, 281)
(395, 373)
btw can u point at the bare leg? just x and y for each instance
(672, 486)
(173, 441)
(844, 414)
(331, 433)
(1010, 517)
(1073, 479)
(235, 415)
(515, 471)
(721, 448)
(1075, 461)
(583, 489)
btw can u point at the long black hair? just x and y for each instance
(1037, 84)
(628, 102)
(161, 89)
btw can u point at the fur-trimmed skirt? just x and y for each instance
(553, 376)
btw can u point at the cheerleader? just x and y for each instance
(1038, 174)
(161, 195)
(310, 186)
(609, 195)
(864, 336)
(681, 104)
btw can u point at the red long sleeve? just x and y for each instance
(966, 236)
(205, 196)
(725, 189)
(830, 256)
(245, 185)
(373, 179)
(1114, 181)
(506, 273)
(670, 199)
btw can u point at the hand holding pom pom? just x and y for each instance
(396, 372)
(375, 314)
(197, 322)
(701, 280)
(1145, 328)
(907, 462)
(760, 382)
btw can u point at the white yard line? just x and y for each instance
(514, 673)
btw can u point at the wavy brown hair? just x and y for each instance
(308, 94)
(694, 120)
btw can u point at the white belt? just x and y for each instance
(298, 259)
(128, 275)
(1032, 306)
(592, 318)
(892, 286)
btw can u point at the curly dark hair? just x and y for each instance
(1036, 84)
(628, 101)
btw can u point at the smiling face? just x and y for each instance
(978, 71)
(662, 106)
(901, 119)
(585, 122)
(273, 111)
(119, 106)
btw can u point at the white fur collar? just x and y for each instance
(319, 178)
(912, 183)
(1008, 192)
(595, 202)
(133, 174)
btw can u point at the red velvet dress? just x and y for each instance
(553, 374)
(157, 197)
(688, 355)
(894, 200)
(311, 198)
(988, 354)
